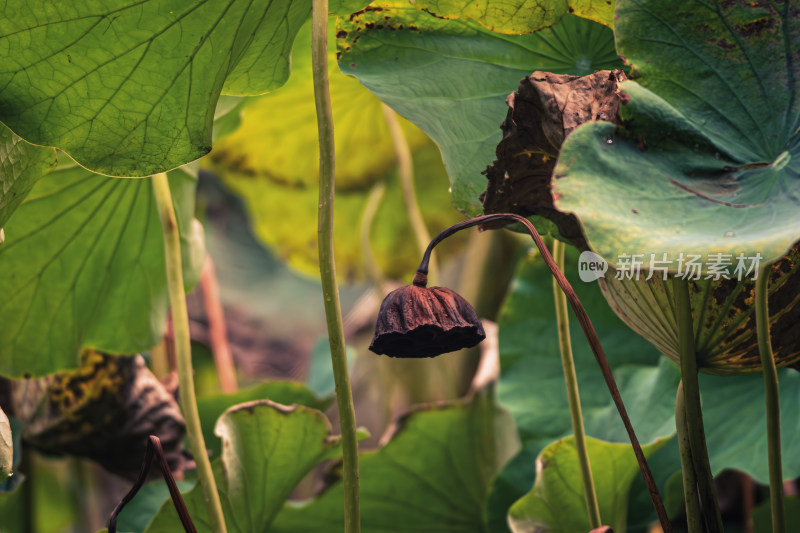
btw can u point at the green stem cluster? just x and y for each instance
(694, 516)
(773, 405)
(183, 352)
(692, 409)
(327, 266)
(573, 396)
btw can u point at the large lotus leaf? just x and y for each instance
(6, 447)
(556, 503)
(211, 407)
(21, 164)
(532, 379)
(431, 476)
(451, 77)
(278, 135)
(267, 449)
(736, 429)
(285, 218)
(129, 89)
(762, 517)
(518, 16)
(83, 266)
(708, 157)
(532, 383)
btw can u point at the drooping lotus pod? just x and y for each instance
(723, 312)
(420, 321)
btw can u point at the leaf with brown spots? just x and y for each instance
(543, 111)
(715, 103)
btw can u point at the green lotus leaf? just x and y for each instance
(532, 387)
(529, 355)
(21, 164)
(431, 476)
(6, 447)
(518, 16)
(285, 218)
(211, 407)
(556, 503)
(267, 449)
(130, 89)
(736, 429)
(83, 266)
(707, 160)
(762, 516)
(451, 77)
(278, 134)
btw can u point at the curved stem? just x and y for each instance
(183, 351)
(694, 412)
(154, 451)
(327, 266)
(573, 396)
(694, 516)
(772, 401)
(588, 330)
(405, 168)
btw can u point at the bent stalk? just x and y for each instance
(588, 330)
(183, 352)
(772, 401)
(694, 413)
(571, 380)
(327, 266)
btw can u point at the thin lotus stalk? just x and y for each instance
(374, 199)
(694, 516)
(773, 405)
(159, 359)
(573, 396)
(218, 334)
(154, 450)
(589, 331)
(405, 168)
(694, 413)
(183, 352)
(327, 266)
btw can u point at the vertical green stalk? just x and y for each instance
(568, 364)
(772, 401)
(405, 168)
(694, 516)
(694, 413)
(327, 265)
(364, 229)
(183, 352)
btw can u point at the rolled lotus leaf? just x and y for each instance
(418, 321)
(724, 316)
